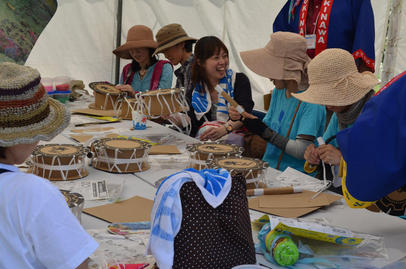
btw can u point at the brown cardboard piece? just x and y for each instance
(82, 138)
(289, 210)
(164, 149)
(95, 112)
(92, 130)
(131, 210)
(296, 200)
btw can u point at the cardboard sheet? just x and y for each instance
(164, 149)
(130, 210)
(95, 112)
(92, 129)
(283, 212)
(82, 138)
(296, 200)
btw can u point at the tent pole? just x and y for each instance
(118, 38)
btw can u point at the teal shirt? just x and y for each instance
(142, 85)
(332, 129)
(310, 120)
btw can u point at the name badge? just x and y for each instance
(311, 41)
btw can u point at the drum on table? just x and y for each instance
(75, 202)
(392, 204)
(163, 102)
(59, 161)
(106, 96)
(252, 169)
(120, 155)
(200, 153)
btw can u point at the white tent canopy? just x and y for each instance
(79, 40)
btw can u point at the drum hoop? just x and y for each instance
(81, 150)
(161, 92)
(260, 165)
(101, 142)
(195, 148)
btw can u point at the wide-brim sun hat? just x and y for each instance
(284, 57)
(335, 81)
(138, 36)
(170, 35)
(27, 113)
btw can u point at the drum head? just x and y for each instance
(59, 150)
(236, 163)
(394, 203)
(215, 148)
(123, 144)
(160, 91)
(104, 88)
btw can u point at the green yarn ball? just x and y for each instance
(285, 252)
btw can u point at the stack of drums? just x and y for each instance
(120, 155)
(201, 153)
(59, 161)
(251, 169)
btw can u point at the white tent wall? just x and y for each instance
(80, 37)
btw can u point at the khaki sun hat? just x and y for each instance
(27, 114)
(171, 35)
(284, 57)
(335, 81)
(139, 36)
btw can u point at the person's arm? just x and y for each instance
(242, 92)
(165, 81)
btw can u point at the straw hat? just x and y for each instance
(27, 114)
(169, 36)
(335, 81)
(284, 57)
(139, 36)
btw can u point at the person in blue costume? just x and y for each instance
(336, 83)
(374, 152)
(345, 24)
(289, 125)
(145, 72)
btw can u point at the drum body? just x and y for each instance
(251, 169)
(163, 102)
(201, 153)
(75, 202)
(106, 96)
(59, 161)
(126, 110)
(120, 155)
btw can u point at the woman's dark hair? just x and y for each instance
(205, 48)
(135, 66)
(189, 45)
(2, 152)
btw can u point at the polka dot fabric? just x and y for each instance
(214, 237)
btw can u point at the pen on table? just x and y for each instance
(268, 191)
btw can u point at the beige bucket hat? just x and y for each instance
(138, 36)
(335, 81)
(171, 35)
(284, 57)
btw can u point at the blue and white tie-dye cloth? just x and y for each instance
(201, 100)
(166, 215)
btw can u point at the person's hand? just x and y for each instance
(255, 126)
(311, 155)
(213, 133)
(126, 88)
(329, 154)
(234, 114)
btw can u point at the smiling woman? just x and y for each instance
(209, 112)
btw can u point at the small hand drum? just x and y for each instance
(106, 96)
(200, 153)
(163, 102)
(59, 161)
(120, 155)
(252, 169)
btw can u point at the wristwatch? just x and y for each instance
(229, 128)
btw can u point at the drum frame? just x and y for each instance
(111, 100)
(120, 160)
